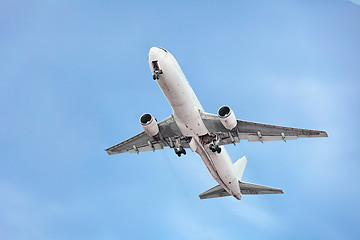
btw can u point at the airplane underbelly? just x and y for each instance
(183, 101)
(189, 122)
(224, 167)
(187, 107)
(219, 165)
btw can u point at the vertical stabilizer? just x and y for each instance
(239, 167)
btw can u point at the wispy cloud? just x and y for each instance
(191, 226)
(254, 214)
(355, 1)
(325, 103)
(21, 212)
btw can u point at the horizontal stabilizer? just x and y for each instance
(245, 188)
(214, 192)
(250, 188)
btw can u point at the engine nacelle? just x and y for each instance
(227, 117)
(149, 124)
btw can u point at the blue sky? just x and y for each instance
(75, 80)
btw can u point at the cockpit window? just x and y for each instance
(163, 49)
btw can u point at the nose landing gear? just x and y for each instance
(180, 150)
(215, 148)
(157, 70)
(156, 75)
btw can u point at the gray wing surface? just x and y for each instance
(169, 133)
(214, 192)
(250, 188)
(245, 188)
(254, 132)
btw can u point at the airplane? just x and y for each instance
(189, 126)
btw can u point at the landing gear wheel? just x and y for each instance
(212, 147)
(156, 76)
(215, 148)
(179, 151)
(218, 149)
(184, 152)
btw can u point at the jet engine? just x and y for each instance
(227, 117)
(149, 124)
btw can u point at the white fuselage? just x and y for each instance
(186, 112)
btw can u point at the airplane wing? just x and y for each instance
(255, 132)
(169, 134)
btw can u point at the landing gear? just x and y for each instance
(156, 76)
(179, 151)
(157, 70)
(215, 148)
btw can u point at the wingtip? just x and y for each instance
(278, 191)
(109, 151)
(324, 134)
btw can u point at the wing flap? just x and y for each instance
(253, 138)
(156, 146)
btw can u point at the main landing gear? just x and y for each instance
(215, 148)
(180, 150)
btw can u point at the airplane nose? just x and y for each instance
(155, 52)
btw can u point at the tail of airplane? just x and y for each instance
(239, 167)
(245, 188)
